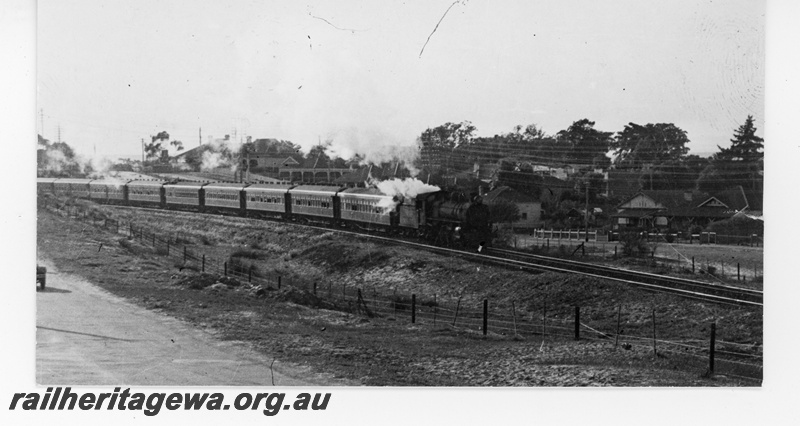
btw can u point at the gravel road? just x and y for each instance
(87, 336)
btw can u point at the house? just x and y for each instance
(530, 209)
(271, 164)
(367, 173)
(677, 209)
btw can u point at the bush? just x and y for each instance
(249, 254)
(740, 226)
(633, 243)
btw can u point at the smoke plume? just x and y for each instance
(398, 190)
(373, 146)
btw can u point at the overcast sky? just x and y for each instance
(111, 73)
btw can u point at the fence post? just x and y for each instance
(315, 288)
(485, 315)
(615, 251)
(434, 309)
(619, 315)
(279, 282)
(413, 308)
(712, 348)
(577, 322)
(204, 263)
(544, 321)
(738, 272)
(514, 317)
(458, 305)
(655, 354)
(693, 264)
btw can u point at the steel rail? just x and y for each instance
(529, 266)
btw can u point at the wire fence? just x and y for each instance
(663, 255)
(742, 360)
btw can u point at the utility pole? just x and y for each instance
(59, 133)
(586, 211)
(142, 152)
(41, 119)
(200, 135)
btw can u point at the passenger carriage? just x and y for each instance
(266, 199)
(147, 192)
(368, 206)
(45, 185)
(107, 190)
(98, 190)
(313, 201)
(184, 194)
(224, 196)
(78, 188)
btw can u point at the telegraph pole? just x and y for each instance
(142, 152)
(200, 136)
(586, 211)
(41, 119)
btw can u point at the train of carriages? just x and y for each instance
(441, 217)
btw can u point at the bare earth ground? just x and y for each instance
(385, 350)
(86, 336)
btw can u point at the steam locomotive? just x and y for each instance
(442, 217)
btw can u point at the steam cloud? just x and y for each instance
(218, 154)
(373, 146)
(398, 190)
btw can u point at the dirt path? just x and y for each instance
(87, 336)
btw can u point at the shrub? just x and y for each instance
(273, 248)
(249, 254)
(633, 243)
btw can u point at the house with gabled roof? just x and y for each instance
(678, 209)
(530, 209)
(363, 175)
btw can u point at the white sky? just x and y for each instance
(110, 73)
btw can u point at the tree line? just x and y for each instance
(658, 152)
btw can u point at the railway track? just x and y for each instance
(691, 289)
(710, 292)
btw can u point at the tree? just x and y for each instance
(653, 144)
(741, 164)
(153, 148)
(586, 144)
(746, 147)
(42, 142)
(436, 145)
(519, 175)
(503, 211)
(674, 174)
(65, 149)
(177, 144)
